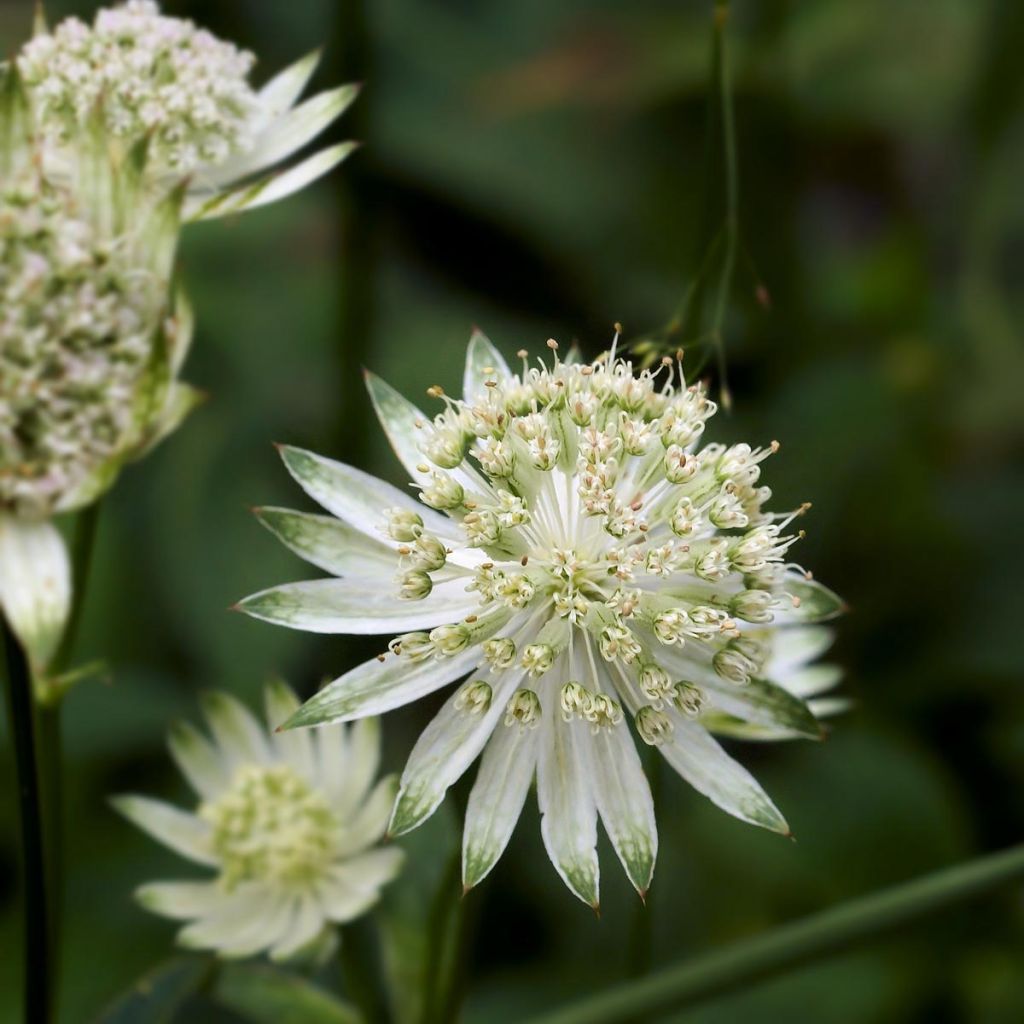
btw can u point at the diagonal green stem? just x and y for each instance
(792, 945)
(37, 915)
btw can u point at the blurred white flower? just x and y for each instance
(586, 565)
(187, 94)
(289, 822)
(91, 344)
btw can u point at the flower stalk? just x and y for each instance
(38, 917)
(797, 944)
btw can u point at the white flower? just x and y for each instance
(186, 94)
(288, 822)
(90, 348)
(603, 570)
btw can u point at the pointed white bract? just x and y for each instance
(290, 822)
(622, 581)
(187, 94)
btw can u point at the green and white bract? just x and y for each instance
(288, 821)
(586, 564)
(188, 94)
(91, 344)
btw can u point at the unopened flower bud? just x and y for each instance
(654, 726)
(404, 525)
(523, 709)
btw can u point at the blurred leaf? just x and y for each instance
(156, 997)
(265, 995)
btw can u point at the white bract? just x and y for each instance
(91, 344)
(288, 821)
(187, 94)
(592, 570)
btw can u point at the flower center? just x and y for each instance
(272, 826)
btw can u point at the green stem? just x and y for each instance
(48, 733)
(732, 187)
(360, 970)
(445, 927)
(37, 915)
(792, 945)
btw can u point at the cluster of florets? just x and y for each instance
(152, 76)
(271, 825)
(586, 505)
(76, 335)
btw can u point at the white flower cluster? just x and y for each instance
(589, 565)
(77, 322)
(150, 75)
(289, 824)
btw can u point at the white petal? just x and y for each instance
(796, 646)
(711, 771)
(342, 901)
(303, 930)
(813, 680)
(181, 900)
(483, 363)
(568, 822)
(237, 922)
(354, 886)
(827, 706)
(373, 869)
(383, 684)
(368, 824)
(357, 497)
(816, 602)
(295, 747)
(496, 800)
(281, 92)
(363, 762)
(445, 749)
(35, 584)
(330, 544)
(332, 760)
(336, 606)
(288, 133)
(399, 418)
(235, 728)
(182, 832)
(269, 189)
(624, 801)
(763, 703)
(198, 760)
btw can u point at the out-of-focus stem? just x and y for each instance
(794, 945)
(38, 966)
(732, 188)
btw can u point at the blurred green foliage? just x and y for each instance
(541, 169)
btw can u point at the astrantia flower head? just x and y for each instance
(90, 347)
(590, 569)
(289, 823)
(184, 92)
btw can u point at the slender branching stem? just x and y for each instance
(793, 945)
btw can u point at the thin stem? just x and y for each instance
(48, 734)
(732, 187)
(798, 944)
(444, 928)
(360, 970)
(37, 963)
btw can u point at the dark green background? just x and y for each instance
(540, 168)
